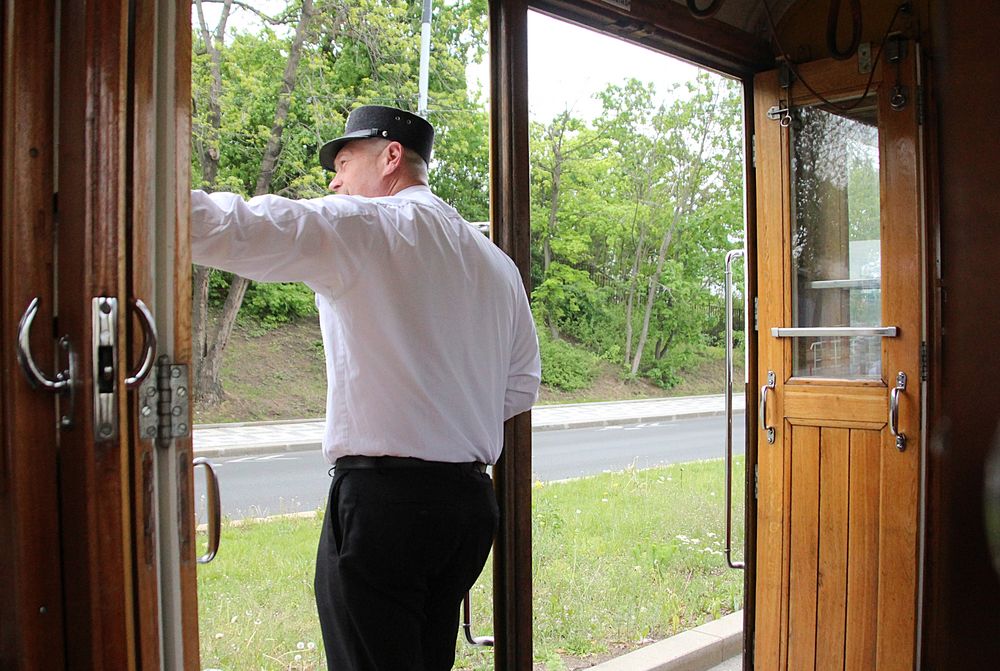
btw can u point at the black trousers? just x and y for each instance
(398, 551)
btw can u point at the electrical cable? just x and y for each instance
(903, 7)
(713, 7)
(831, 30)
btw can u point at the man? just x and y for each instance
(430, 346)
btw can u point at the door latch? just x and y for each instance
(104, 321)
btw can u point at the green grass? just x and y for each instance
(619, 559)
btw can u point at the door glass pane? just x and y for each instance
(836, 245)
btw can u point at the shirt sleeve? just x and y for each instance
(525, 363)
(323, 242)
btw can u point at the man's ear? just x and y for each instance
(394, 152)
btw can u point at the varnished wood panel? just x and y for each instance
(140, 241)
(769, 619)
(804, 559)
(963, 585)
(96, 481)
(510, 215)
(862, 571)
(834, 491)
(847, 404)
(31, 596)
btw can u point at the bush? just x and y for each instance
(564, 366)
(269, 305)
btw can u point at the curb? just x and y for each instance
(592, 423)
(271, 448)
(697, 649)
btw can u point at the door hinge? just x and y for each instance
(755, 314)
(753, 150)
(755, 481)
(924, 363)
(164, 404)
(920, 105)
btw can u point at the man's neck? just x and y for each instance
(401, 184)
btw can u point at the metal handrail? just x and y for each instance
(730, 257)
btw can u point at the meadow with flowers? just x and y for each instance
(620, 560)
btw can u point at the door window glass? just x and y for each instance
(836, 241)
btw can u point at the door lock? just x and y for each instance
(104, 320)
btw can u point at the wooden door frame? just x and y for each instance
(31, 610)
(664, 27)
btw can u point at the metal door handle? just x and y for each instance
(730, 257)
(485, 641)
(149, 338)
(763, 406)
(36, 378)
(214, 510)
(894, 411)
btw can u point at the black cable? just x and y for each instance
(713, 7)
(831, 30)
(905, 6)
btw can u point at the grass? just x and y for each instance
(619, 560)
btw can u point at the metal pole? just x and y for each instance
(425, 56)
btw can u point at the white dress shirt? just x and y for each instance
(429, 340)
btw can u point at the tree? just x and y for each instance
(265, 101)
(208, 354)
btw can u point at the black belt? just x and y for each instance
(355, 462)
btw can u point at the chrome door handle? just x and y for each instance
(763, 406)
(149, 338)
(36, 378)
(214, 510)
(730, 257)
(894, 411)
(485, 641)
(65, 380)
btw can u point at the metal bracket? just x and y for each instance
(164, 402)
(780, 114)
(104, 322)
(864, 58)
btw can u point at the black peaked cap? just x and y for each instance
(379, 121)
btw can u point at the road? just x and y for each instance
(262, 485)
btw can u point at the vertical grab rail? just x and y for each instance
(730, 256)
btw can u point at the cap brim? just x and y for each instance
(328, 152)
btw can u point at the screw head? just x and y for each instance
(146, 411)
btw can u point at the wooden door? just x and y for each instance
(96, 513)
(839, 247)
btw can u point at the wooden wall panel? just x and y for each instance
(511, 217)
(834, 506)
(31, 612)
(804, 564)
(862, 576)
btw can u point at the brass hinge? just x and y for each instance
(164, 404)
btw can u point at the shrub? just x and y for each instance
(269, 305)
(564, 366)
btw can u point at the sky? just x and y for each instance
(567, 65)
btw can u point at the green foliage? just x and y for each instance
(269, 305)
(564, 366)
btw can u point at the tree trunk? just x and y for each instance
(553, 217)
(633, 283)
(273, 149)
(209, 386)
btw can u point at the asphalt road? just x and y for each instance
(262, 485)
